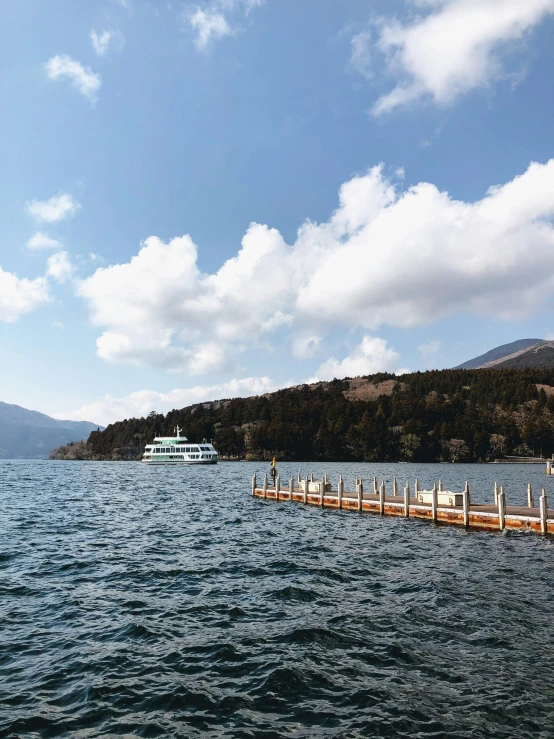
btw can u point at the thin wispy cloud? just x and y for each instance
(55, 209)
(83, 79)
(101, 41)
(208, 27)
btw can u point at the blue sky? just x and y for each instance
(152, 135)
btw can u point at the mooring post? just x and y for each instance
(382, 498)
(394, 487)
(299, 478)
(440, 486)
(495, 493)
(434, 502)
(277, 486)
(407, 500)
(501, 509)
(322, 490)
(544, 513)
(416, 488)
(291, 487)
(375, 489)
(466, 506)
(530, 500)
(468, 491)
(306, 483)
(265, 487)
(340, 491)
(253, 484)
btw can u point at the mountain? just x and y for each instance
(540, 356)
(500, 352)
(442, 415)
(26, 434)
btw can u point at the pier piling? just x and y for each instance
(544, 513)
(435, 501)
(501, 509)
(407, 500)
(530, 499)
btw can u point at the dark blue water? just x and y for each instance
(148, 601)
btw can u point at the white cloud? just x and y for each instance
(429, 348)
(101, 41)
(454, 47)
(389, 254)
(140, 403)
(20, 296)
(59, 267)
(82, 78)
(56, 209)
(305, 346)
(371, 356)
(41, 240)
(209, 26)
(360, 55)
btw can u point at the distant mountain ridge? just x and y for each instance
(499, 353)
(26, 434)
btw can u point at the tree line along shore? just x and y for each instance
(441, 415)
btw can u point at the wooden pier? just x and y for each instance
(493, 517)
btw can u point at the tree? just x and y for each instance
(457, 449)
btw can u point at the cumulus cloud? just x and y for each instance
(209, 26)
(40, 240)
(59, 267)
(449, 47)
(371, 356)
(50, 211)
(102, 41)
(20, 296)
(389, 254)
(82, 78)
(305, 346)
(140, 403)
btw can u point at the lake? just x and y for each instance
(145, 601)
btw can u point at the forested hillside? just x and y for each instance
(453, 415)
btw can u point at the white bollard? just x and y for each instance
(544, 513)
(434, 503)
(407, 500)
(382, 498)
(530, 499)
(253, 484)
(340, 491)
(265, 487)
(466, 507)
(501, 509)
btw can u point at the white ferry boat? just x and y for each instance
(178, 450)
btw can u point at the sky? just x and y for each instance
(215, 199)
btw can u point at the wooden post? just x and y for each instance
(495, 493)
(340, 491)
(394, 487)
(291, 487)
(253, 484)
(375, 488)
(322, 490)
(440, 486)
(467, 490)
(265, 487)
(501, 509)
(530, 500)
(416, 488)
(382, 498)
(407, 500)
(306, 483)
(544, 513)
(434, 502)
(360, 495)
(299, 478)
(466, 507)
(277, 486)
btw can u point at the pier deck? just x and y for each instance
(478, 516)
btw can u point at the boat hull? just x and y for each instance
(179, 461)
